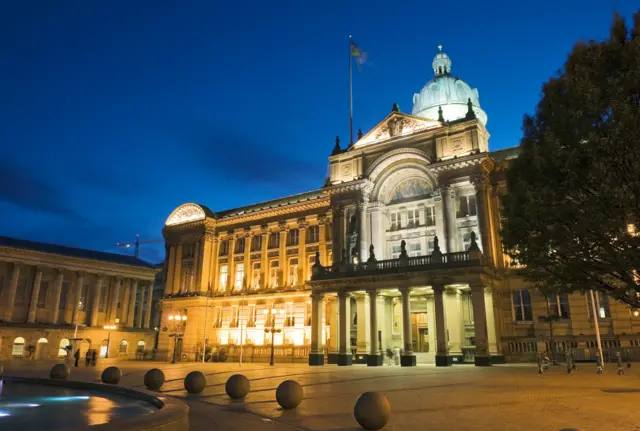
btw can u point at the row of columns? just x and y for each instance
(375, 357)
(71, 311)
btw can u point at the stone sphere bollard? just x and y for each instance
(237, 386)
(195, 382)
(372, 410)
(111, 375)
(289, 394)
(154, 379)
(59, 372)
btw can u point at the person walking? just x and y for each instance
(87, 358)
(77, 357)
(94, 357)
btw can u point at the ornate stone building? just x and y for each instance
(399, 251)
(51, 295)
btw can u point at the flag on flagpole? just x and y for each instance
(358, 54)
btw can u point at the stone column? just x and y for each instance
(205, 262)
(113, 309)
(132, 303)
(483, 215)
(491, 325)
(75, 297)
(140, 306)
(215, 252)
(374, 359)
(196, 268)
(482, 357)
(247, 260)
(95, 303)
(149, 308)
(439, 212)
(11, 293)
(431, 322)
(282, 257)
(168, 282)
(453, 317)
(302, 251)
(35, 292)
(408, 359)
(231, 265)
(333, 330)
(363, 245)
(344, 304)
(363, 329)
(337, 240)
(322, 233)
(316, 356)
(264, 253)
(443, 359)
(126, 301)
(57, 289)
(177, 271)
(449, 209)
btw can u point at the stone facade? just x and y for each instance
(398, 254)
(51, 295)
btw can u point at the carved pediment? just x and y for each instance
(396, 125)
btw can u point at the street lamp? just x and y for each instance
(109, 328)
(272, 328)
(178, 322)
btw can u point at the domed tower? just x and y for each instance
(447, 92)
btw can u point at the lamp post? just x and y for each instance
(109, 328)
(272, 327)
(178, 322)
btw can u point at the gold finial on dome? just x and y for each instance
(440, 47)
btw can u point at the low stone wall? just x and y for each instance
(172, 414)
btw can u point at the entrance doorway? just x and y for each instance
(41, 348)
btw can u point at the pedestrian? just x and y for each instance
(77, 357)
(94, 356)
(87, 358)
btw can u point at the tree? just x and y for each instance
(573, 201)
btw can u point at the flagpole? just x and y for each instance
(350, 92)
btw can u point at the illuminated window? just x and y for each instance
(431, 216)
(289, 318)
(466, 206)
(239, 246)
(255, 275)
(217, 321)
(224, 247)
(224, 277)
(430, 245)
(62, 348)
(559, 305)
(239, 277)
(256, 243)
(18, 347)
(395, 251)
(522, 306)
(82, 301)
(273, 274)
(293, 237)
(293, 272)
(602, 305)
(274, 240)
(313, 234)
(140, 346)
(124, 346)
(414, 249)
(413, 218)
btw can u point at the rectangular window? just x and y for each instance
(522, 306)
(18, 349)
(104, 294)
(559, 306)
(430, 245)
(224, 277)
(64, 293)
(293, 237)
(239, 246)
(187, 280)
(224, 247)
(42, 294)
(431, 216)
(255, 276)
(256, 243)
(413, 218)
(239, 277)
(293, 272)
(466, 241)
(395, 251)
(82, 301)
(602, 305)
(466, 206)
(396, 221)
(274, 240)
(289, 318)
(313, 234)
(273, 274)
(415, 249)
(188, 250)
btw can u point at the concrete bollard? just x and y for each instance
(237, 386)
(289, 394)
(372, 410)
(59, 372)
(111, 375)
(154, 379)
(195, 382)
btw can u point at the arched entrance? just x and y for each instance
(62, 348)
(41, 349)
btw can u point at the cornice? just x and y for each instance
(275, 212)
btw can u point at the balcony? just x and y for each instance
(399, 265)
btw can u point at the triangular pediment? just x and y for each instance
(396, 125)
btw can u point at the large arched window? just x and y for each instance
(62, 348)
(124, 346)
(141, 346)
(18, 347)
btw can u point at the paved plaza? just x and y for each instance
(508, 397)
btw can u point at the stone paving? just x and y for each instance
(508, 397)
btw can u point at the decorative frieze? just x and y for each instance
(273, 253)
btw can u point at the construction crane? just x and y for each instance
(137, 244)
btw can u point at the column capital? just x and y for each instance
(317, 296)
(438, 287)
(343, 294)
(373, 293)
(283, 226)
(405, 291)
(479, 180)
(302, 223)
(322, 219)
(210, 235)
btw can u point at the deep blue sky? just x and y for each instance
(115, 112)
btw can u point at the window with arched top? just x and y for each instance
(124, 346)
(18, 347)
(43, 340)
(141, 345)
(62, 347)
